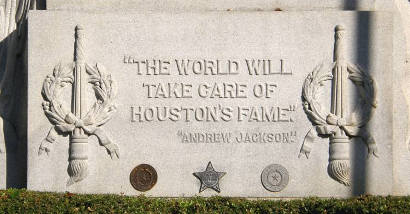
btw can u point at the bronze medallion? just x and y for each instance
(275, 178)
(143, 177)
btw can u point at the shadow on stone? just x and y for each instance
(362, 43)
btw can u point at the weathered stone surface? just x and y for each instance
(292, 45)
(12, 161)
(13, 97)
(401, 148)
(212, 5)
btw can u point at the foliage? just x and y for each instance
(22, 201)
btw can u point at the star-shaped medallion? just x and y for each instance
(209, 178)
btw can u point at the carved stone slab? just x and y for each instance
(240, 89)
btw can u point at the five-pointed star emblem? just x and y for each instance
(209, 178)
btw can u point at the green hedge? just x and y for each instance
(22, 201)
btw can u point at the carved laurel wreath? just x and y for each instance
(362, 112)
(102, 109)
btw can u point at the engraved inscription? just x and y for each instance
(267, 67)
(273, 114)
(237, 137)
(208, 66)
(211, 89)
(212, 82)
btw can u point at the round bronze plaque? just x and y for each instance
(143, 177)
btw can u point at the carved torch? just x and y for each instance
(339, 149)
(79, 123)
(336, 124)
(78, 159)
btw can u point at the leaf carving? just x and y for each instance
(104, 90)
(310, 91)
(52, 86)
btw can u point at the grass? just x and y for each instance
(23, 201)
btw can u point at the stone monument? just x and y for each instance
(276, 104)
(272, 99)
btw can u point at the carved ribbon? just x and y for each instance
(72, 122)
(334, 123)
